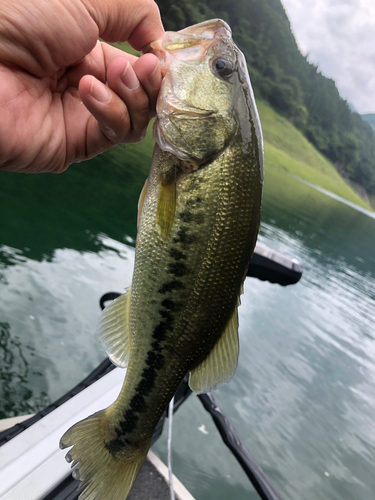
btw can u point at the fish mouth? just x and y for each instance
(180, 109)
(191, 43)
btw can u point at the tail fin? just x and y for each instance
(103, 475)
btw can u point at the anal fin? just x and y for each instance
(221, 363)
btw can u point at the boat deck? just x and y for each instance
(149, 484)
(32, 466)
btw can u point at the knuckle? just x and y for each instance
(116, 130)
(110, 133)
(144, 108)
(135, 136)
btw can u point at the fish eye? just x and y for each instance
(223, 67)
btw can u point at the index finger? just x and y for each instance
(135, 21)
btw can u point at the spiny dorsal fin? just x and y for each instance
(221, 363)
(141, 200)
(113, 330)
(166, 205)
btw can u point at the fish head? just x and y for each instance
(205, 99)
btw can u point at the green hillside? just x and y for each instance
(370, 119)
(285, 78)
(286, 148)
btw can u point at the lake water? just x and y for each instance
(303, 396)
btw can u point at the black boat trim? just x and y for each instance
(105, 367)
(230, 437)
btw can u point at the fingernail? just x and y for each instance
(154, 79)
(99, 91)
(129, 79)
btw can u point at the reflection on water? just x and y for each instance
(64, 241)
(15, 395)
(53, 307)
(302, 397)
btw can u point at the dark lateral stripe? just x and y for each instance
(155, 361)
(186, 216)
(197, 217)
(147, 383)
(179, 269)
(156, 346)
(145, 386)
(183, 238)
(170, 286)
(116, 445)
(160, 331)
(170, 304)
(176, 254)
(138, 403)
(166, 315)
(192, 201)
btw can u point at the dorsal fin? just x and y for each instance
(113, 329)
(221, 363)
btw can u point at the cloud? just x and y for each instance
(339, 37)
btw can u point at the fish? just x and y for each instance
(199, 216)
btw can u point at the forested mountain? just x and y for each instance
(370, 119)
(282, 75)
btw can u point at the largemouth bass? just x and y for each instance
(199, 216)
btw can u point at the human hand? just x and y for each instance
(51, 63)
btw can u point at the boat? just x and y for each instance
(32, 466)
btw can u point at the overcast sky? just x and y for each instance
(339, 36)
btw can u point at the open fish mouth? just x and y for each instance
(187, 114)
(188, 44)
(180, 109)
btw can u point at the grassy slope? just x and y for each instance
(286, 148)
(126, 48)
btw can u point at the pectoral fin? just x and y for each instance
(221, 363)
(166, 205)
(113, 329)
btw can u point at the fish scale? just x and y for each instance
(199, 216)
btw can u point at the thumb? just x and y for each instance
(135, 21)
